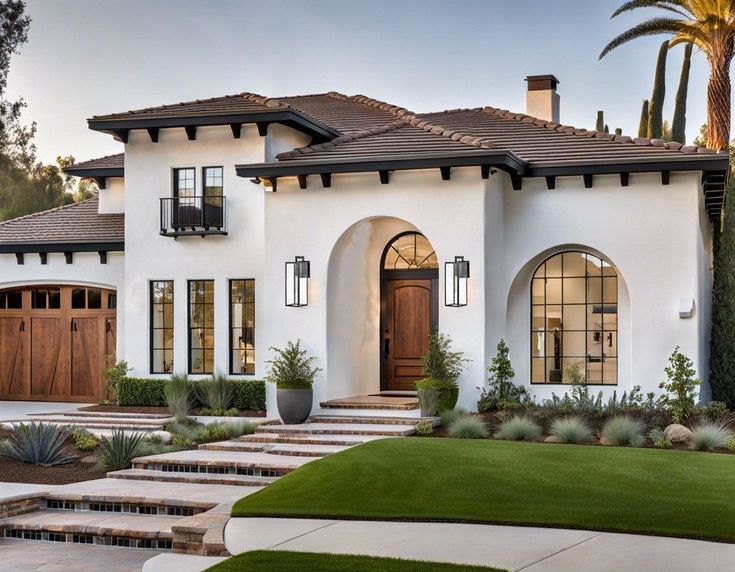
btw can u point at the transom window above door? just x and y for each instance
(410, 251)
(574, 320)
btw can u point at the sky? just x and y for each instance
(91, 57)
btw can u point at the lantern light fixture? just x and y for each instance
(456, 276)
(297, 282)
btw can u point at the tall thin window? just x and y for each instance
(242, 327)
(574, 320)
(184, 183)
(201, 326)
(213, 178)
(162, 326)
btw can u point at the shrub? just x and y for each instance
(571, 430)
(154, 439)
(213, 432)
(708, 436)
(188, 429)
(428, 400)
(239, 428)
(232, 412)
(38, 444)
(181, 442)
(680, 386)
(440, 363)
(447, 392)
(731, 444)
(141, 392)
(292, 367)
(451, 415)
(576, 400)
(114, 372)
(118, 451)
(468, 427)
(249, 395)
(83, 439)
(519, 428)
(149, 448)
(623, 431)
(424, 428)
(215, 392)
(715, 410)
(177, 391)
(658, 439)
(500, 392)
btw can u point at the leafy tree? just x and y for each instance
(710, 26)
(680, 386)
(678, 127)
(440, 362)
(500, 392)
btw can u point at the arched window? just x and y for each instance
(574, 320)
(410, 251)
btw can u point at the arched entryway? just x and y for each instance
(409, 286)
(53, 342)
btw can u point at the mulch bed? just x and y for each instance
(12, 471)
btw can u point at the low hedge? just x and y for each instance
(148, 392)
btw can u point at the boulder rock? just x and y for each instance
(553, 439)
(678, 434)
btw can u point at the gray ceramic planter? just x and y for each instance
(294, 405)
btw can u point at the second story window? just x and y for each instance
(185, 185)
(213, 192)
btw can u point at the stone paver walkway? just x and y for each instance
(507, 547)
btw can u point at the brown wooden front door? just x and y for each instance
(53, 341)
(409, 315)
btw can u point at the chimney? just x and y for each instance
(542, 101)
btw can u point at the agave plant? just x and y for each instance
(178, 394)
(118, 451)
(216, 393)
(38, 443)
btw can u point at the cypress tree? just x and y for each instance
(722, 338)
(656, 107)
(607, 129)
(643, 125)
(678, 125)
(600, 125)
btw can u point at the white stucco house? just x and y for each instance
(572, 245)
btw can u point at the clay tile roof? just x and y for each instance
(116, 161)
(77, 223)
(239, 103)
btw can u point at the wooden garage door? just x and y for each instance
(53, 342)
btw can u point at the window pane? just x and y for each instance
(574, 317)
(112, 302)
(553, 317)
(610, 372)
(201, 326)
(537, 291)
(537, 317)
(575, 264)
(94, 299)
(38, 299)
(78, 298)
(553, 266)
(594, 290)
(574, 290)
(162, 326)
(573, 343)
(410, 251)
(15, 299)
(54, 298)
(553, 290)
(242, 324)
(610, 290)
(537, 371)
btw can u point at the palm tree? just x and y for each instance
(709, 25)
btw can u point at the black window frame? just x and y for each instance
(189, 327)
(175, 180)
(231, 328)
(152, 329)
(561, 304)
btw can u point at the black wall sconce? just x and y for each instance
(456, 276)
(297, 282)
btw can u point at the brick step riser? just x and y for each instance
(102, 425)
(299, 453)
(333, 431)
(119, 508)
(240, 448)
(192, 468)
(164, 542)
(301, 441)
(192, 479)
(408, 407)
(93, 414)
(365, 420)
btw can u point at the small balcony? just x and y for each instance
(193, 216)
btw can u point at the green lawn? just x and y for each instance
(648, 491)
(277, 561)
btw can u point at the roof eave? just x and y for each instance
(700, 162)
(90, 246)
(94, 172)
(287, 117)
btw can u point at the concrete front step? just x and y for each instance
(296, 450)
(129, 530)
(256, 464)
(316, 439)
(91, 423)
(240, 481)
(235, 446)
(372, 402)
(384, 420)
(143, 497)
(340, 429)
(104, 414)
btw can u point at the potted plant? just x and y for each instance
(292, 372)
(442, 368)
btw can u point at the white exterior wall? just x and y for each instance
(85, 270)
(150, 256)
(112, 197)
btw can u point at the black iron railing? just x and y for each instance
(193, 216)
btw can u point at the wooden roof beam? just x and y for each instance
(587, 178)
(191, 132)
(384, 177)
(326, 179)
(624, 179)
(302, 181)
(550, 182)
(446, 173)
(262, 128)
(153, 134)
(236, 130)
(517, 181)
(665, 177)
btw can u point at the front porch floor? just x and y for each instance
(391, 402)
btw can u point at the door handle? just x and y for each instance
(73, 326)
(386, 348)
